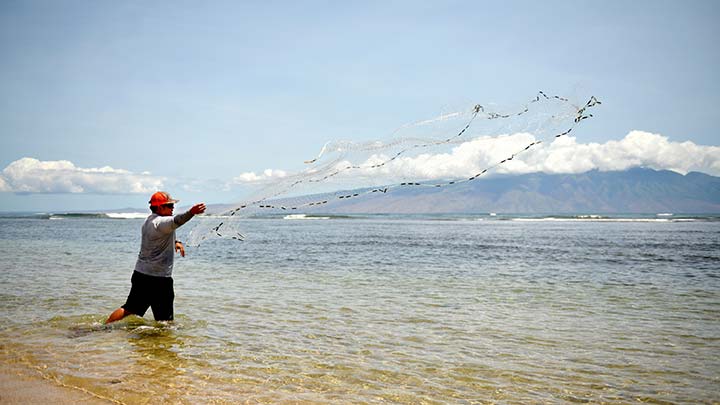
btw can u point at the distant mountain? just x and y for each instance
(631, 191)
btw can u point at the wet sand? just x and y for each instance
(20, 386)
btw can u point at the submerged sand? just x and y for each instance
(19, 386)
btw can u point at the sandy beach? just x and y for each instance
(25, 386)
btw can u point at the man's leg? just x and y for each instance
(137, 301)
(162, 304)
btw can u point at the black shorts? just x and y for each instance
(148, 291)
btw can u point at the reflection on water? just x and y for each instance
(367, 311)
(156, 362)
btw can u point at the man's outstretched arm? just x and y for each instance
(181, 219)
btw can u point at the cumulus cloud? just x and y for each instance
(564, 155)
(28, 175)
(4, 187)
(636, 149)
(252, 177)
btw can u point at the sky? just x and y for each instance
(102, 103)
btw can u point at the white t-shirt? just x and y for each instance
(157, 247)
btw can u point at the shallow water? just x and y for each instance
(375, 310)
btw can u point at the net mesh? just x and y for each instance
(450, 149)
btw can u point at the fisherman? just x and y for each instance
(152, 283)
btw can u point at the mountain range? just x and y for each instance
(638, 190)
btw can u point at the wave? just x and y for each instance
(25, 215)
(127, 215)
(304, 216)
(659, 217)
(598, 218)
(74, 215)
(100, 215)
(550, 217)
(480, 217)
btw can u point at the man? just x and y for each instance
(152, 283)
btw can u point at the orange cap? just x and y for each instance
(161, 198)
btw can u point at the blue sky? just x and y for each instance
(172, 94)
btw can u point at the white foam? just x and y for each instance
(302, 216)
(126, 215)
(600, 219)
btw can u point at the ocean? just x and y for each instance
(439, 309)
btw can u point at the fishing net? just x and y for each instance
(354, 176)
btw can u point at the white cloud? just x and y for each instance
(637, 149)
(564, 155)
(28, 175)
(4, 187)
(252, 177)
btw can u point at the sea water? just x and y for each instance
(435, 310)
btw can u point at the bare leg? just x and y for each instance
(117, 315)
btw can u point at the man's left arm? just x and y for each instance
(181, 219)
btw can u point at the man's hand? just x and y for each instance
(197, 209)
(179, 248)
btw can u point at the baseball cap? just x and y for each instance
(161, 198)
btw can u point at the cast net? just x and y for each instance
(446, 151)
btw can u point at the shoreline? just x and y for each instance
(20, 385)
